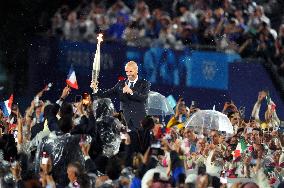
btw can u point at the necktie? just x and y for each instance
(131, 84)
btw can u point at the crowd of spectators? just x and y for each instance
(87, 144)
(240, 26)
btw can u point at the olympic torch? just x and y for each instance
(96, 64)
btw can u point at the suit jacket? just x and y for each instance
(133, 106)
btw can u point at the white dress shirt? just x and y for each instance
(132, 82)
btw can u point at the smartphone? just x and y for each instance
(156, 148)
(223, 180)
(15, 135)
(44, 159)
(193, 103)
(253, 162)
(249, 130)
(209, 140)
(156, 176)
(156, 145)
(157, 151)
(49, 85)
(36, 101)
(78, 98)
(192, 148)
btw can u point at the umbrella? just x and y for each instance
(157, 104)
(204, 120)
(149, 175)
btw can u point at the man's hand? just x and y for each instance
(127, 89)
(226, 106)
(16, 171)
(180, 100)
(46, 168)
(127, 140)
(46, 177)
(39, 94)
(65, 92)
(94, 86)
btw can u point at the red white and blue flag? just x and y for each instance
(71, 79)
(6, 106)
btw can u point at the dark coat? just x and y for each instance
(133, 106)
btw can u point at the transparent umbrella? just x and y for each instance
(206, 120)
(158, 105)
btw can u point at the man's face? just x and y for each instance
(131, 72)
(38, 111)
(201, 143)
(86, 99)
(258, 149)
(233, 140)
(214, 137)
(191, 136)
(235, 119)
(255, 138)
(253, 124)
(221, 138)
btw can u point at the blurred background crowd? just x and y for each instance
(254, 29)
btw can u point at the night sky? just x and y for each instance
(20, 21)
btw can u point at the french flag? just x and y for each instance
(6, 106)
(71, 79)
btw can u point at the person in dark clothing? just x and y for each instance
(177, 167)
(77, 175)
(142, 138)
(132, 93)
(50, 112)
(62, 148)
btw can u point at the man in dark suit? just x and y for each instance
(132, 94)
